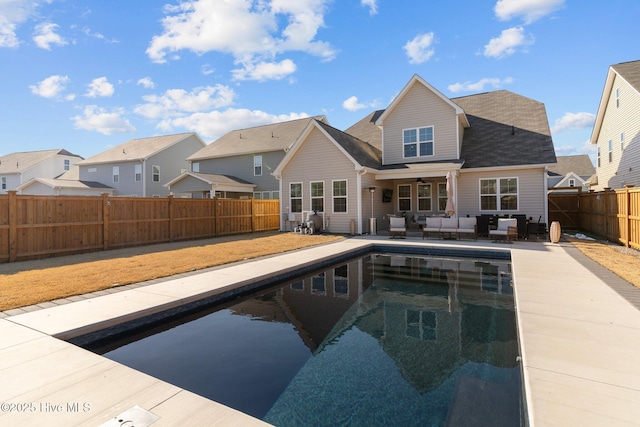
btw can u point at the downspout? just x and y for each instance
(282, 220)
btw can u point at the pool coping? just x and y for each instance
(569, 388)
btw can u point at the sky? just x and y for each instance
(88, 75)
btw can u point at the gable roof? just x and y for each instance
(138, 149)
(367, 130)
(506, 129)
(416, 79)
(629, 72)
(579, 164)
(358, 151)
(218, 182)
(22, 161)
(66, 183)
(259, 139)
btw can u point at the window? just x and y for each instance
(257, 165)
(116, 174)
(195, 167)
(598, 156)
(418, 142)
(266, 195)
(442, 196)
(257, 195)
(610, 151)
(318, 284)
(295, 196)
(404, 197)
(67, 164)
(4, 182)
(275, 195)
(138, 172)
(424, 197)
(340, 196)
(617, 97)
(155, 173)
(317, 196)
(572, 182)
(421, 325)
(92, 170)
(621, 141)
(499, 194)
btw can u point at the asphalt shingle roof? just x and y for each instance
(630, 71)
(364, 153)
(19, 162)
(579, 164)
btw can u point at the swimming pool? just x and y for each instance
(379, 339)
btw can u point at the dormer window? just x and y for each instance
(418, 142)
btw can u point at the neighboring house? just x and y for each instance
(67, 184)
(571, 171)
(239, 164)
(17, 169)
(616, 131)
(141, 167)
(495, 147)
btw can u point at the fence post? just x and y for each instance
(106, 203)
(253, 215)
(13, 225)
(171, 217)
(627, 222)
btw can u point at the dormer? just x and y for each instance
(421, 125)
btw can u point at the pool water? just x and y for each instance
(378, 340)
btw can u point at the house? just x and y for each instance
(141, 167)
(67, 184)
(18, 168)
(239, 164)
(571, 171)
(495, 147)
(616, 131)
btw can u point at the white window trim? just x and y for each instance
(417, 143)
(4, 182)
(296, 198)
(621, 141)
(257, 163)
(67, 164)
(498, 194)
(136, 173)
(610, 150)
(404, 198)
(428, 184)
(312, 197)
(153, 174)
(115, 172)
(195, 167)
(334, 197)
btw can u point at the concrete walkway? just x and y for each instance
(580, 338)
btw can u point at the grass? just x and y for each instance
(32, 282)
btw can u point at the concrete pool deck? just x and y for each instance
(579, 328)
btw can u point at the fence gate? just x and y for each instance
(564, 206)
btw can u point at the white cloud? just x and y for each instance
(573, 121)
(253, 32)
(206, 69)
(45, 36)
(263, 71)
(146, 82)
(420, 49)
(371, 4)
(12, 14)
(508, 43)
(214, 124)
(529, 10)
(50, 87)
(99, 87)
(178, 102)
(479, 85)
(353, 104)
(98, 119)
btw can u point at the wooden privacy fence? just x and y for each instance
(613, 214)
(34, 227)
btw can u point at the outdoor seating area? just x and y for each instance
(451, 227)
(507, 230)
(397, 227)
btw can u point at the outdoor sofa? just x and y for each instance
(451, 226)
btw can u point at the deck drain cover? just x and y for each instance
(134, 417)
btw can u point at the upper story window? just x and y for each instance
(67, 164)
(138, 172)
(617, 97)
(155, 173)
(4, 182)
(404, 197)
(572, 182)
(499, 194)
(598, 156)
(195, 167)
(418, 142)
(317, 196)
(295, 196)
(621, 141)
(610, 151)
(257, 165)
(116, 174)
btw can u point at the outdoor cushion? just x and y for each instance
(466, 223)
(449, 225)
(433, 224)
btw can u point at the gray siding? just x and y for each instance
(242, 167)
(532, 192)
(304, 168)
(420, 107)
(126, 185)
(624, 167)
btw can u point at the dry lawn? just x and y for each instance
(33, 282)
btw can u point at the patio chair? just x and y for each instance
(507, 230)
(449, 225)
(397, 227)
(468, 226)
(432, 225)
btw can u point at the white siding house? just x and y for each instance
(16, 169)
(616, 132)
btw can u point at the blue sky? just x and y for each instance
(88, 75)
